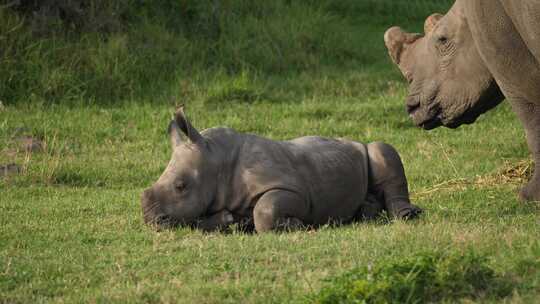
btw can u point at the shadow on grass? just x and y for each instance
(246, 225)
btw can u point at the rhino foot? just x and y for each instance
(289, 224)
(407, 212)
(530, 192)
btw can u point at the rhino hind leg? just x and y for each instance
(371, 208)
(531, 191)
(387, 181)
(279, 210)
(529, 114)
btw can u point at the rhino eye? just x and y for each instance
(442, 39)
(180, 186)
(444, 46)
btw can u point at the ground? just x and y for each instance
(72, 228)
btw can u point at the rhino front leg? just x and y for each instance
(529, 114)
(216, 222)
(387, 180)
(279, 210)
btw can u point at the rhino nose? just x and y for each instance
(148, 205)
(412, 105)
(166, 220)
(412, 108)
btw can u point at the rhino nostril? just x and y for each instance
(161, 218)
(408, 76)
(409, 79)
(412, 107)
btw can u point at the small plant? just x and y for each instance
(424, 278)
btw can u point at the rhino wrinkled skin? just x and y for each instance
(220, 177)
(468, 61)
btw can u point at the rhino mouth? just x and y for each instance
(431, 123)
(424, 120)
(432, 116)
(466, 119)
(163, 221)
(425, 117)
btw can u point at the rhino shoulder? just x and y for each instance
(506, 36)
(525, 16)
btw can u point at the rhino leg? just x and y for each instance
(279, 210)
(529, 114)
(216, 222)
(387, 180)
(371, 208)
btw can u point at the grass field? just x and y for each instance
(71, 227)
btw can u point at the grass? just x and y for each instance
(99, 52)
(426, 277)
(71, 227)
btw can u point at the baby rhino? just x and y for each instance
(221, 177)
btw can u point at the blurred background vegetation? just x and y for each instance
(105, 52)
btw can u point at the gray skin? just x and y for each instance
(468, 61)
(221, 177)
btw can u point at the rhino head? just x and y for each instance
(449, 83)
(187, 187)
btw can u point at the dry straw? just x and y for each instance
(510, 173)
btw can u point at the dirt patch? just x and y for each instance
(29, 144)
(9, 169)
(22, 141)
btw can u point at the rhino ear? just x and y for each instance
(174, 134)
(396, 41)
(185, 126)
(431, 21)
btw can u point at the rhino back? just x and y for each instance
(336, 174)
(330, 175)
(506, 36)
(525, 15)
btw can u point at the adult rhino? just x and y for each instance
(468, 61)
(219, 177)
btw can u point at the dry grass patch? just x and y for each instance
(509, 174)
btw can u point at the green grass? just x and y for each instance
(132, 49)
(71, 228)
(426, 277)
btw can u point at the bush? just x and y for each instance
(428, 277)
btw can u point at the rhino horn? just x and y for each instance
(396, 40)
(431, 21)
(181, 122)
